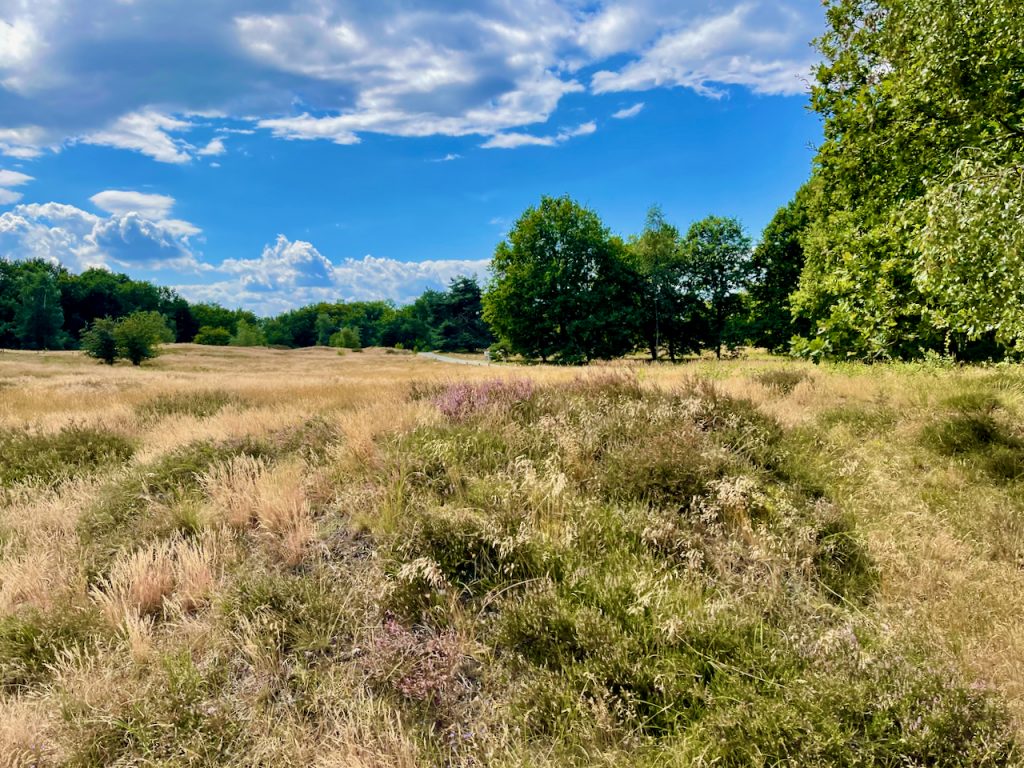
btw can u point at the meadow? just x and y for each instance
(242, 556)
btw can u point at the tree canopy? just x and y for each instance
(562, 288)
(913, 234)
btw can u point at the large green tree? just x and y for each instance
(669, 314)
(39, 318)
(923, 107)
(562, 289)
(776, 265)
(716, 268)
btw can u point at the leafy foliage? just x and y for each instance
(915, 193)
(213, 337)
(138, 335)
(716, 270)
(562, 288)
(99, 341)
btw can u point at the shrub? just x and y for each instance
(31, 641)
(247, 335)
(973, 433)
(346, 338)
(100, 342)
(179, 718)
(138, 335)
(50, 458)
(781, 380)
(463, 399)
(213, 337)
(303, 616)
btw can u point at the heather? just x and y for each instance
(393, 561)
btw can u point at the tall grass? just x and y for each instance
(364, 561)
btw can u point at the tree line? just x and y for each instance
(563, 289)
(45, 306)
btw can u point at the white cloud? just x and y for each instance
(447, 158)
(126, 239)
(286, 275)
(757, 45)
(628, 112)
(145, 132)
(513, 140)
(138, 77)
(13, 178)
(122, 201)
(214, 148)
(290, 273)
(23, 143)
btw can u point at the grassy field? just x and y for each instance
(256, 557)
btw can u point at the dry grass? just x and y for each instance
(948, 541)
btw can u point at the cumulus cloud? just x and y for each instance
(138, 76)
(628, 112)
(140, 241)
(290, 273)
(286, 275)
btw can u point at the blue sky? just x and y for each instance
(269, 153)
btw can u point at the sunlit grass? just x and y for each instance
(243, 556)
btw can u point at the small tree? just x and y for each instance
(138, 335)
(248, 335)
(213, 337)
(99, 341)
(346, 338)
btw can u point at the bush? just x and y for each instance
(973, 433)
(31, 641)
(213, 337)
(50, 458)
(781, 380)
(134, 338)
(138, 335)
(247, 335)
(100, 342)
(179, 718)
(346, 338)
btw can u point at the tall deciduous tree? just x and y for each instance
(717, 268)
(776, 265)
(561, 286)
(669, 314)
(909, 90)
(39, 317)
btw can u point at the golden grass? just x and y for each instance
(946, 576)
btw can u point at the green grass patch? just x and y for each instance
(200, 404)
(48, 459)
(32, 640)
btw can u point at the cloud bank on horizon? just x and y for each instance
(143, 77)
